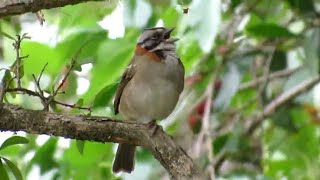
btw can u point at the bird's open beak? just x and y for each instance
(167, 35)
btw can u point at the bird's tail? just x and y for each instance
(124, 160)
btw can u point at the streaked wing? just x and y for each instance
(125, 79)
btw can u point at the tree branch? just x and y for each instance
(279, 101)
(271, 77)
(172, 157)
(16, 7)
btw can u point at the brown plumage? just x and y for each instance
(149, 87)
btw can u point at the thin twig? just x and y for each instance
(37, 82)
(42, 72)
(74, 106)
(37, 94)
(266, 71)
(63, 81)
(24, 90)
(2, 91)
(55, 92)
(273, 76)
(206, 128)
(41, 94)
(16, 45)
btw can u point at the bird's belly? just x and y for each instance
(145, 101)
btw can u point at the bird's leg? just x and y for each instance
(154, 127)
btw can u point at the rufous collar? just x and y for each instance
(140, 51)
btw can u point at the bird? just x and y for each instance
(150, 86)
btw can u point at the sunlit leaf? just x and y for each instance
(6, 35)
(230, 83)
(112, 59)
(205, 19)
(36, 60)
(13, 141)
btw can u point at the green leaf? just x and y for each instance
(85, 42)
(6, 35)
(189, 52)
(112, 59)
(13, 141)
(36, 60)
(81, 166)
(77, 67)
(184, 2)
(302, 6)
(268, 31)
(71, 17)
(3, 172)
(105, 95)
(14, 68)
(44, 156)
(14, 169)
(8, 51)
(80, 146)
(220, 142)
(279, 61)
(7, 78)
(80, 102)
(282, 119)
(235, 3)
(311, 47)
(143, 155)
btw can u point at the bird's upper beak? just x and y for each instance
(168, 32)
(167, 35)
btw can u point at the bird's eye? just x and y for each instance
(154, 37)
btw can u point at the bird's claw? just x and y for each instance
(154, 127)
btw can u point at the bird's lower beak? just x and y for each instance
(167, 36)
(172, 40)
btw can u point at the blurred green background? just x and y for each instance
(224, 45)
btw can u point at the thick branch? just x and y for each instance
(15, 7)
(172, 157)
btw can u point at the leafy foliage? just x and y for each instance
(233, 51)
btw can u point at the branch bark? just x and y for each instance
(172, 157)
(16, 7)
